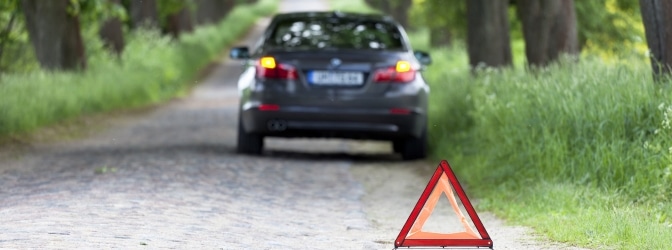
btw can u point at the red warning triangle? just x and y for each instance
(411, 234)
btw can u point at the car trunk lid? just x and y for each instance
(338, 73)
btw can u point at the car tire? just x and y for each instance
(398, 146)
(415, 148)
(248, 143)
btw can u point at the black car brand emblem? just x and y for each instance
(335, 62)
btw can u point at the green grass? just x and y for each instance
(581, 152)
(582, 216)
(152, 69)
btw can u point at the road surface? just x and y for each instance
(168, 177)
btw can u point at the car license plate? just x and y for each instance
(336, 78)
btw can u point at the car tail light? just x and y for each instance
(400, 111)
(403, 72)
(269, 107)
(268, 68)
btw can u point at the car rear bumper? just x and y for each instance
(301, 121)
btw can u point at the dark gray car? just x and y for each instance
(333, 75)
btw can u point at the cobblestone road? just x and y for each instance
(170, 179)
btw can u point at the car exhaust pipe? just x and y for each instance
(277, 125)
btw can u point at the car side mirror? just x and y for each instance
(240, 53)
(423, 57)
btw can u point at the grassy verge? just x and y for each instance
(581, 152)
(152, 69)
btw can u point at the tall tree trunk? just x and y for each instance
(144, 13)
(566, 30)
(212, 11)
(488, 40)
(381, 5)
(186, 20)
(537, 18)
(549, 28)
(657, 17)
(179, 22)
(112, 34)
(228, 5)
(400, 11)
(205, 11)
(55, 34)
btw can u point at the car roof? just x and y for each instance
(333, 14)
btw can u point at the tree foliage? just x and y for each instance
(450, 14)
(101, 23)
(92, 12)
(609, 25)
(444, 18)
(399, 9)
(15, 50)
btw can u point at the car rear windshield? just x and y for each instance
(336, 33)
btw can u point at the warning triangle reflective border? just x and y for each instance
(418, 238)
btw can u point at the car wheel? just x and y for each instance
(415, 148)
(398, 146)
(249, 143)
